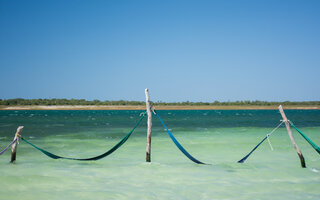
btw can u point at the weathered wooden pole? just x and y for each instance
(148, 148)
(14, 146)
(284, 117)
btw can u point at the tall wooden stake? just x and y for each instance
(148, 148)
(14, 146)
(284, 117)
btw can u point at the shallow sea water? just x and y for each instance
(219, 138)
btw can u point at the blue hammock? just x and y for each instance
(178, 144)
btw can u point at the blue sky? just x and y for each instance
(180, 50)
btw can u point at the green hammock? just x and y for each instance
(316, 147)
(119, 144)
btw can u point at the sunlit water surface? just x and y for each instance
(219, 138)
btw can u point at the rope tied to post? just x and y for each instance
(114, 148)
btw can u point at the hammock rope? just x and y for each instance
(5, 149)
(316, 147)
(114, 148)
(266, 137)
(177, 143)
(269, 143)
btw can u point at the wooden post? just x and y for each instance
(14, 146)
(148, 148)
(303, 164)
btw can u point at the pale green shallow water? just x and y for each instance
(220, 138)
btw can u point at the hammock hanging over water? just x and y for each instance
(5, 149)
(266, 137)
(177, 143)
(316, 147)
(119, 144)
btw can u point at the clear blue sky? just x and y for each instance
(181, 50)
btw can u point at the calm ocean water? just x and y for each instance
(220, 138)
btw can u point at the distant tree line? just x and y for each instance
(48, 102)
(242, 103)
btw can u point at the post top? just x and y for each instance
(19, 129)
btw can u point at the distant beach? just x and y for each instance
(128, 107)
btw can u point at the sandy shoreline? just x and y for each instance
(156, 107)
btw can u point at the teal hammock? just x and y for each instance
(119, 144)
(177, 143)
(316, 147)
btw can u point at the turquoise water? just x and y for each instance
(220, 138)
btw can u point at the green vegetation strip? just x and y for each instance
(83, 102)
